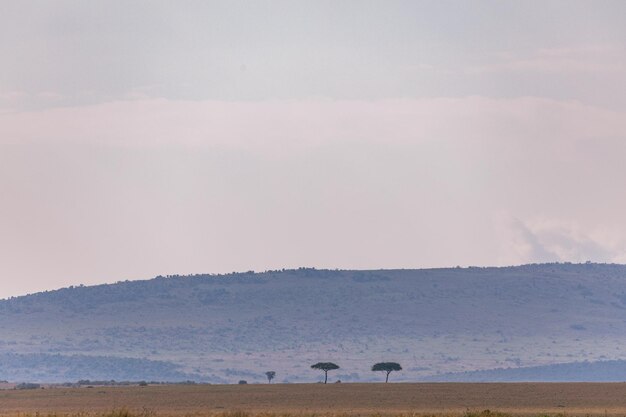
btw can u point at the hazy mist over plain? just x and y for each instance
(145, 138)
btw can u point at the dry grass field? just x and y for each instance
(528, 399)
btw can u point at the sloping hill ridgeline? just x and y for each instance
(222, 328)
(601, 371)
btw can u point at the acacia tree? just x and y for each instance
(325, 366)
(270, 375)
(387, 367)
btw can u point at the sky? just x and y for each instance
(153, 138)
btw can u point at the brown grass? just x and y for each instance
(315, 400)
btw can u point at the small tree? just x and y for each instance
(325, 366)
(270, 375)
(387, 367)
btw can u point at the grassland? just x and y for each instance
(445, 399)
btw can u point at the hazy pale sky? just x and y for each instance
(142, 138)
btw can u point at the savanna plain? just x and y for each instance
(332, 400)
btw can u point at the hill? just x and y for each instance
(601, 371)
(222, 328)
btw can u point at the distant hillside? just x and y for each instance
(223, 328)
(602, 371)
(66, 368)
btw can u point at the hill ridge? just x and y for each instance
(221, 327)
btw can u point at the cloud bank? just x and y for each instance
(147, 187)
(256, 125)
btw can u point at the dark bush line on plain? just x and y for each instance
(386, 367)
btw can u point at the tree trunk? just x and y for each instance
(325, 377)
(387, 379)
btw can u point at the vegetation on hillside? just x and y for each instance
(223, 328)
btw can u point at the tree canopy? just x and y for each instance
(270, 375)
(325, 366)
(387, 367)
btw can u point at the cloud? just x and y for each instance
(278, 124)
(555, 240)
(603, 59)
(520, 245)
(16, 101)
(184, 186)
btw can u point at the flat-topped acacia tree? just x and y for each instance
(270, 375)
(325, 366)
(387, 367)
